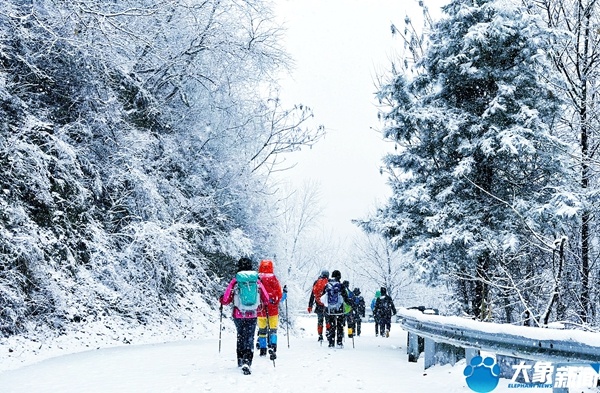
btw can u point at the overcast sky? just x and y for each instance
(339, 47)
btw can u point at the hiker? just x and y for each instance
(375, 316)
(269, 313)
(315, 298)
(384, 308)
(358, 310)
(246, 292)
(348, 308)
(333, 299)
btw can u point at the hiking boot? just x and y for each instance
(263, 352)
(331, 345)
(272, 354)
(246, 369)
(340, 346)
(320, 337)
(387, 333)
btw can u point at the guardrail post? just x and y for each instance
(412, 348)
(470, 353)
(441, 353)
(430, 351)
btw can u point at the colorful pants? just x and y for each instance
(354, 324)
(268, 336)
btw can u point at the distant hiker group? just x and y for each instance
(255, 297)
(336, 305)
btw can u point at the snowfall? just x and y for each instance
(86, 362)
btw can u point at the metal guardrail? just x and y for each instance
(560, 346)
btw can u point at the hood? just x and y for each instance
(266, 266)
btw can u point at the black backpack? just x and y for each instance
(386, 307)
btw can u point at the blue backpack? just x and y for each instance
(333, 292)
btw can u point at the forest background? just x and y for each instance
(139, 142)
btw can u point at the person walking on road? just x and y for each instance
(333, 299)
(317, 291)
(375, 316)
(268, 314)
(358, 311)
(384, 308)
(246, 292)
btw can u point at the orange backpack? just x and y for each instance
(319, 289)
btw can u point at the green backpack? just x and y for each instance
(245, 295)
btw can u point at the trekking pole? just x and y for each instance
(354, 324)
(287, 317)
(220, 326)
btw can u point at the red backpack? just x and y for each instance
(319, 289)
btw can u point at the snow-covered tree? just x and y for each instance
(478, 176)
(136, 146)
(576, 60)
(376, 263)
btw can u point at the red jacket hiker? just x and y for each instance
(267, 329)
(317, 291)
(272, 286)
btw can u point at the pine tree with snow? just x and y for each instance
(474, 182)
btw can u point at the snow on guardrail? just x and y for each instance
(565, 346)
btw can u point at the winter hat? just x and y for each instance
(346, 284)
(377, 294)
(266, 266)
(244, 264)
(336, 274)
(325, 273)
(383, 291)
(356, 291)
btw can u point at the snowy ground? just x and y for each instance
(375, 364)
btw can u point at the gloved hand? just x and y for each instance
(285, 289)
(309, 310)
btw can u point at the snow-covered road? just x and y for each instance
(375, 364)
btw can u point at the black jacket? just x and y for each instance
(384, 307)
(359, 306)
